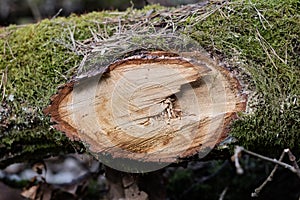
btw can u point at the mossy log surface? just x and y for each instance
(258, 41)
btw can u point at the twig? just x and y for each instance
(261, 17)
(261, 38)
(270, 177)
(63, 76)
(10, 50)
(57, 14)
(72, 39)
(223, 193)
(293, 160)
(261, 42)
(237, 152)
(295, 168)
(3, 82)
(207, 14)
(287, 166)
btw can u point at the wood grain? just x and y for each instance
(154, 108)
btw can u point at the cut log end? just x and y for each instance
(156, 107)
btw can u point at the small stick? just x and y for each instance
(295, 168)
(270, 177)
(3, 82)
(223, 193)
(57, 14)
(237, 151)
(293, 160)
(72, 39)
(287, 166)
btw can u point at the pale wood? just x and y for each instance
(157, 109)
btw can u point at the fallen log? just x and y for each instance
(37, 58)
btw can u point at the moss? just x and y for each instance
(258, 38)
(263, 36)
(36, 59)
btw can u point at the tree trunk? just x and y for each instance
(242, 47)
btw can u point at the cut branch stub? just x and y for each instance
(154, 107)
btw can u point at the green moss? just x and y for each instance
(36, 59)
(263, 37)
